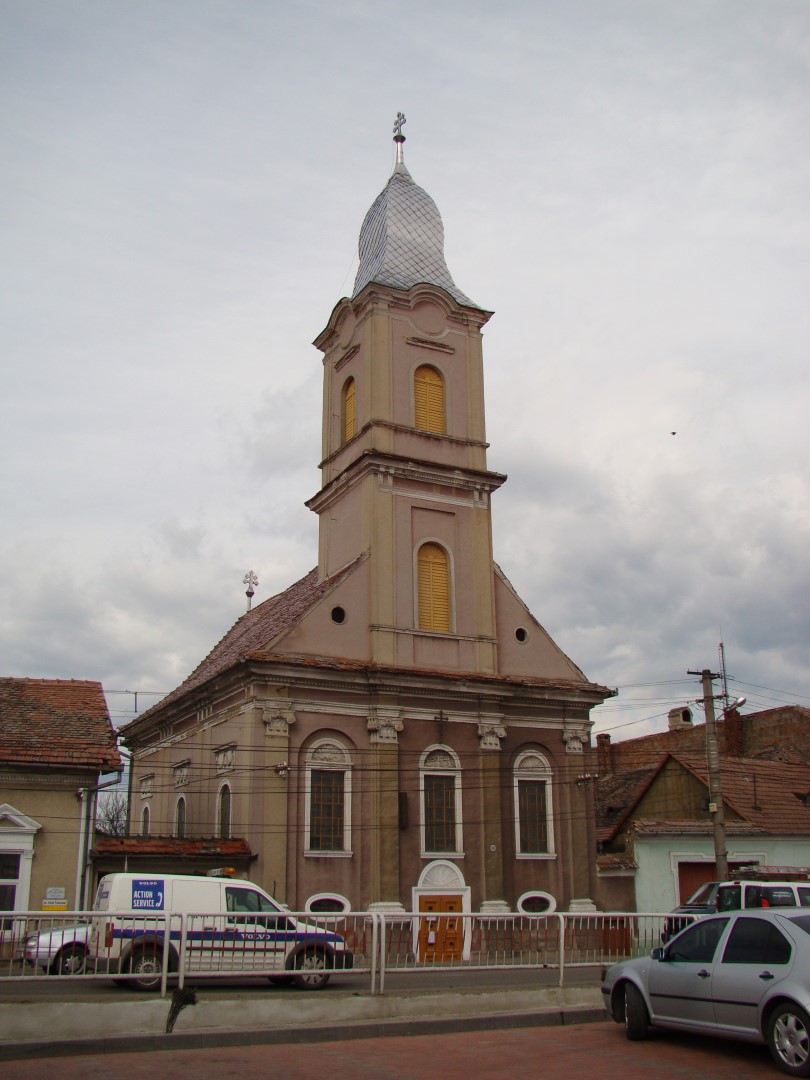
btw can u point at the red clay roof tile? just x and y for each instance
(56, 723)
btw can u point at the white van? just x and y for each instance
(230, 926)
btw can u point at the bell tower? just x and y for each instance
(404, 469)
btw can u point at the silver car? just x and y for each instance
(742, 975)
(61, 950)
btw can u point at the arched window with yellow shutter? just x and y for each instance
(428, 399)
(433, 570)
(349, 416)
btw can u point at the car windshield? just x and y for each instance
(705, 894)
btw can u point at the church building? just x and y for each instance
(396, 726)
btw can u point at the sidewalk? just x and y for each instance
(31, 1027)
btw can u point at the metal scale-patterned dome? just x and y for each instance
(402, 238)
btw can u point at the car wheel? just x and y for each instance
(149, 967)
(636, 1019)
(789, 1039)
(69, 961)
(311, 968)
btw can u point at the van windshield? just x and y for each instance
(705, 894)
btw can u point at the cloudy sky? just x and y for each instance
(626, 183)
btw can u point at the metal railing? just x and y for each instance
(156, 948)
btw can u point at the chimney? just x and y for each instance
(604, 754)
(680, 718)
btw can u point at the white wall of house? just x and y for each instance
(658, 858)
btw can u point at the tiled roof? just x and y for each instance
(764, 793)
(254, 631)
(616, 793)
(171, 846)
(56, 723)
(767, 795)
(616, 860)
(255, 635)
(693, 828)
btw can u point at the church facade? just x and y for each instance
(395, 727)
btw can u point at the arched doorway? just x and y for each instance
(442, 897)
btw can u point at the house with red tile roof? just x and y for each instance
(395, 729)
(655, 833)
(56, 741)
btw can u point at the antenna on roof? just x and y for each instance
(250, 580)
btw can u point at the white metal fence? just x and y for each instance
(155, 949)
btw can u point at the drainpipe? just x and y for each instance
(89, 798)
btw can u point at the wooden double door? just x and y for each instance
(441, 929)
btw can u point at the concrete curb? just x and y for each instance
(74, 1028)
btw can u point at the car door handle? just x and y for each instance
(704, 974)
(766, 975)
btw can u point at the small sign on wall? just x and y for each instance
(55, 899)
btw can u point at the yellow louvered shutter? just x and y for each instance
(428, 393)
(348, 410)
(434, 588)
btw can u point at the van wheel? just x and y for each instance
(312, 967)
(149, 967)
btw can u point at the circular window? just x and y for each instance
(327, 903)
(522, 634)
(338, 615)
(537, 903)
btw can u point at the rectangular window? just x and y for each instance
(326, 810)
(440, 813)
(532, 817)
(9, 878)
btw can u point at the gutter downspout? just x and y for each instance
(89, 798)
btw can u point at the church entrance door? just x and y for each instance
(441, 936)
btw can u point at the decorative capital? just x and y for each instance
(575, 739)
(491, 735)
(384, 729)
(278, 723)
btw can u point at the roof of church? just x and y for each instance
(255, 630)
(56, 723)
(402, 238)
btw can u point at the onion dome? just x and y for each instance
(402, 238)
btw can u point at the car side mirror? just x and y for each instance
(657, 954)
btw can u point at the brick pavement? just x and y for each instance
(553, 1053)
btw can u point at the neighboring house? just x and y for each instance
(655, 831)
(56, 739)
(395, 729)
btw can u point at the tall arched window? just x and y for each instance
(348, 411)
(433, 572)
(224, 813)
(534, 832)
(440, 796)
(428, 400)
(328, 799)
(145, 821)
(180, 818)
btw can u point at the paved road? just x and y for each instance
(47, 987)
(559, 1053)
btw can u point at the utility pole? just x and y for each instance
(713, 767)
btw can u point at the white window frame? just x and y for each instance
(328, 755)
(217, 821)
(18, 837)
(533, 766)
(177, 833)
(452, 767)
(342, 900)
